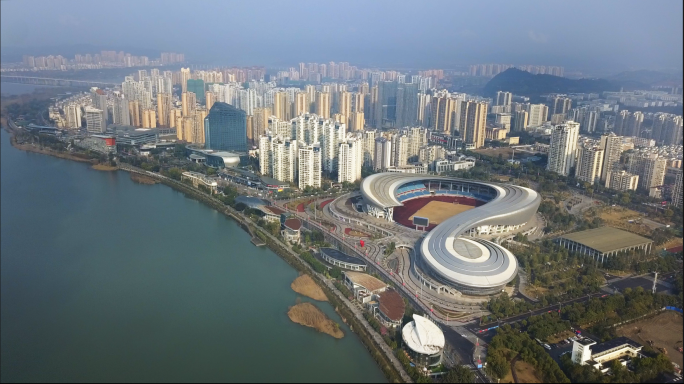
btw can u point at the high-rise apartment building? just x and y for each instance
(226, 128)
(443, 112)
(667, 129)
(357, 121)
(677, 189)
(301, 104)
(650, 168)
(210, 99)
(99, 99)
(350, 161)
(560, 105)
(634, 124)
(189, 103)
(383, 154)
(621, 123)
(73, 115)
(473, 122)
(333, 134)
(345, 106)
(537, 114)
(589, 163)
(622, 181)
(520, 121)
(423, 111)
(284, 159)
(184, 77)
(310, 166)
(94, 123)
(120, 113)
(163, 108)
(323, 104)
(503, 98)
(400, 150)
(563, 147)
(369, 147)
(612, 149)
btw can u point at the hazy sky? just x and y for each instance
(618, 34)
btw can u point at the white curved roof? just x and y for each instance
(423, 336)
(470, 262)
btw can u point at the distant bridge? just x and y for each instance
(55, 82)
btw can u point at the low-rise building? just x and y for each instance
(363, 286)
(198, 179)
(291, 230)
(587, 352)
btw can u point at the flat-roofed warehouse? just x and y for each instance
(604, 241)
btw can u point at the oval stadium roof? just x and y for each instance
(475, 263)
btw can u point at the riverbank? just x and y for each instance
(369, 338)
(308, 315)
(104, 167)
(142, 179)
(304, 285)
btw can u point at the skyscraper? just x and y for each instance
(345, 106)
(120, 111)
(634, 124)
(184, 77)
(677, 189)
(99, 99)
(94, 123)
(226, 128)
(323, 104)
(196, 86)
(589, 163)
(473, 122)
(563, 146)
(612, 148)
(383, 154)
(163, 108)
(443, 110)
(333, 134)
(503, 98)
(301, 104)
(350, 160)
(650, 168)
(621, 123)
(520, 121)
(310, 166)
(189, 103)
(537, 114)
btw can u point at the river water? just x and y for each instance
(103, 279)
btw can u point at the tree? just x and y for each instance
(459, 374)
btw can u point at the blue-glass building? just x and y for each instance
(225, 128)
(196, 86)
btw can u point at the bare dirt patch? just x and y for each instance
(619, 217)
(142, 179)
(664, 330)
(305, 285)
(438, 211)
(104, 167)
(308, 315)
(505, 152)
(525, 372)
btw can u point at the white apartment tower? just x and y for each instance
(350, 161)
(612, 148)
(563, 147)
(333, 134)
(310, 166)
(537, 114)
(94, 123)
(589, 163)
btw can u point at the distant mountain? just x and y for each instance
(648, 77)
(526, 84)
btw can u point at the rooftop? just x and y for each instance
(610, 344)
(293, 224)
(341, 256)
(391, 304)
(273, 210)
(606, 239)
(423, 336)
(367, 281)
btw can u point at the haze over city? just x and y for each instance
(382, 191)
(585, 35)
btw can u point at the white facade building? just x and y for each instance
(563, 148)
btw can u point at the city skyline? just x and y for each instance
(456, 34)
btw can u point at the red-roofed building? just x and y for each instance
(291, 229)
(391, 308)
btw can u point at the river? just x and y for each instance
(103, 279)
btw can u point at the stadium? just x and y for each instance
(455, 207)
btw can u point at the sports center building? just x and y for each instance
(471, 265)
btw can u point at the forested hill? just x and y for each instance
(526, 84)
